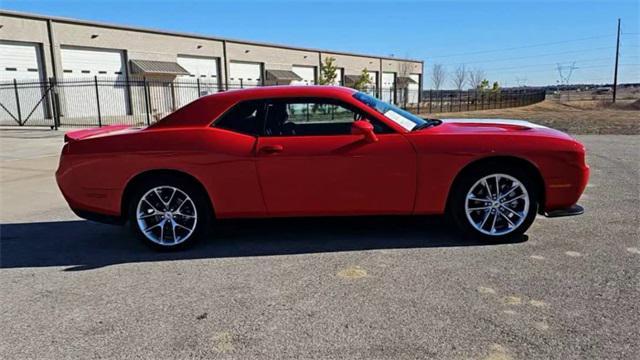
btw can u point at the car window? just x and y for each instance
(401, 117)
(245, 118)
(312, 117)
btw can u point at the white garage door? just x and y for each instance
(307, 73)
(79, 67)
(21, 61)
(388, 82)
(82, 63)
(339, 77)
(202, 79)
(205, 68)
(414, 89)
(244, 74)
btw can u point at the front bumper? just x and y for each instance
(570, 211)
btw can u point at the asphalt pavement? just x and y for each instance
(363, 288)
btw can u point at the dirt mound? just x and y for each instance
(624, 105)
(633, 106)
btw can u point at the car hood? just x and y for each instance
(497, 126)
(508, 124)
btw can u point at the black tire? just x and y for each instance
(461, 188)
(199, 202)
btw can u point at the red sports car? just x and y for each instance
(317, 151)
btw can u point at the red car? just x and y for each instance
(317, 151)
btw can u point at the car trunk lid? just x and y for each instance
(75, 135)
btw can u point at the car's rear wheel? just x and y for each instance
(496, 204)
(168, 213)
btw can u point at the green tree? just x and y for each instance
(362, 81)
(484, 85)
(496, 87)
(328, 71)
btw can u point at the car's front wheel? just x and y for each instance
(168, 213)
(495, 204)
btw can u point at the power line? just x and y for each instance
(548, 64)
(524, 46)
(550, 69)
(536, 56)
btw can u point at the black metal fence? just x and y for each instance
(446, 101)
(99, 101)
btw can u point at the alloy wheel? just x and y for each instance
(497, 204)
(166, 215)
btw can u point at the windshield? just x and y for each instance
(401, 117)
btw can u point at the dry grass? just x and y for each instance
(575, 117)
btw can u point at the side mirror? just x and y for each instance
(362, 127)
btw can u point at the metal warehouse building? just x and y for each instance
(38, 48)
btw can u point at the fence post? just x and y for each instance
(475, 99)
(241, 85)
(54, 109)
(406, 96)
(173, 96)
(15, 88)
(441, 99)
(95, 82)
(198, 83)
(430, 99)
(520, 98)
(146, 99)
(450, 101)
(49, 103)
(395, 91)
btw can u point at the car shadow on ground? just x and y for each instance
(83, 245)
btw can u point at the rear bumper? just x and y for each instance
(570, 211)
(92, 203)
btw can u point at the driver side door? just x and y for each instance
(309, 162)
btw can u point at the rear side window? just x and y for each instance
(244, 118)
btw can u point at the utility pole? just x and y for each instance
(615, 72)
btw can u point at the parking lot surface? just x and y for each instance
(364, 288)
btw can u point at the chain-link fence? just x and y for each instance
(101, 101)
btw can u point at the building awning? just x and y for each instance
(351, 79)
(282, 75)
(157, 67)
(403, 80)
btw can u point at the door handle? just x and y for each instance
(271, 149)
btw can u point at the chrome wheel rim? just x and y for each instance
(497, 204)
(166, 215)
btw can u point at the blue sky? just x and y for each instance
(514, 42)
